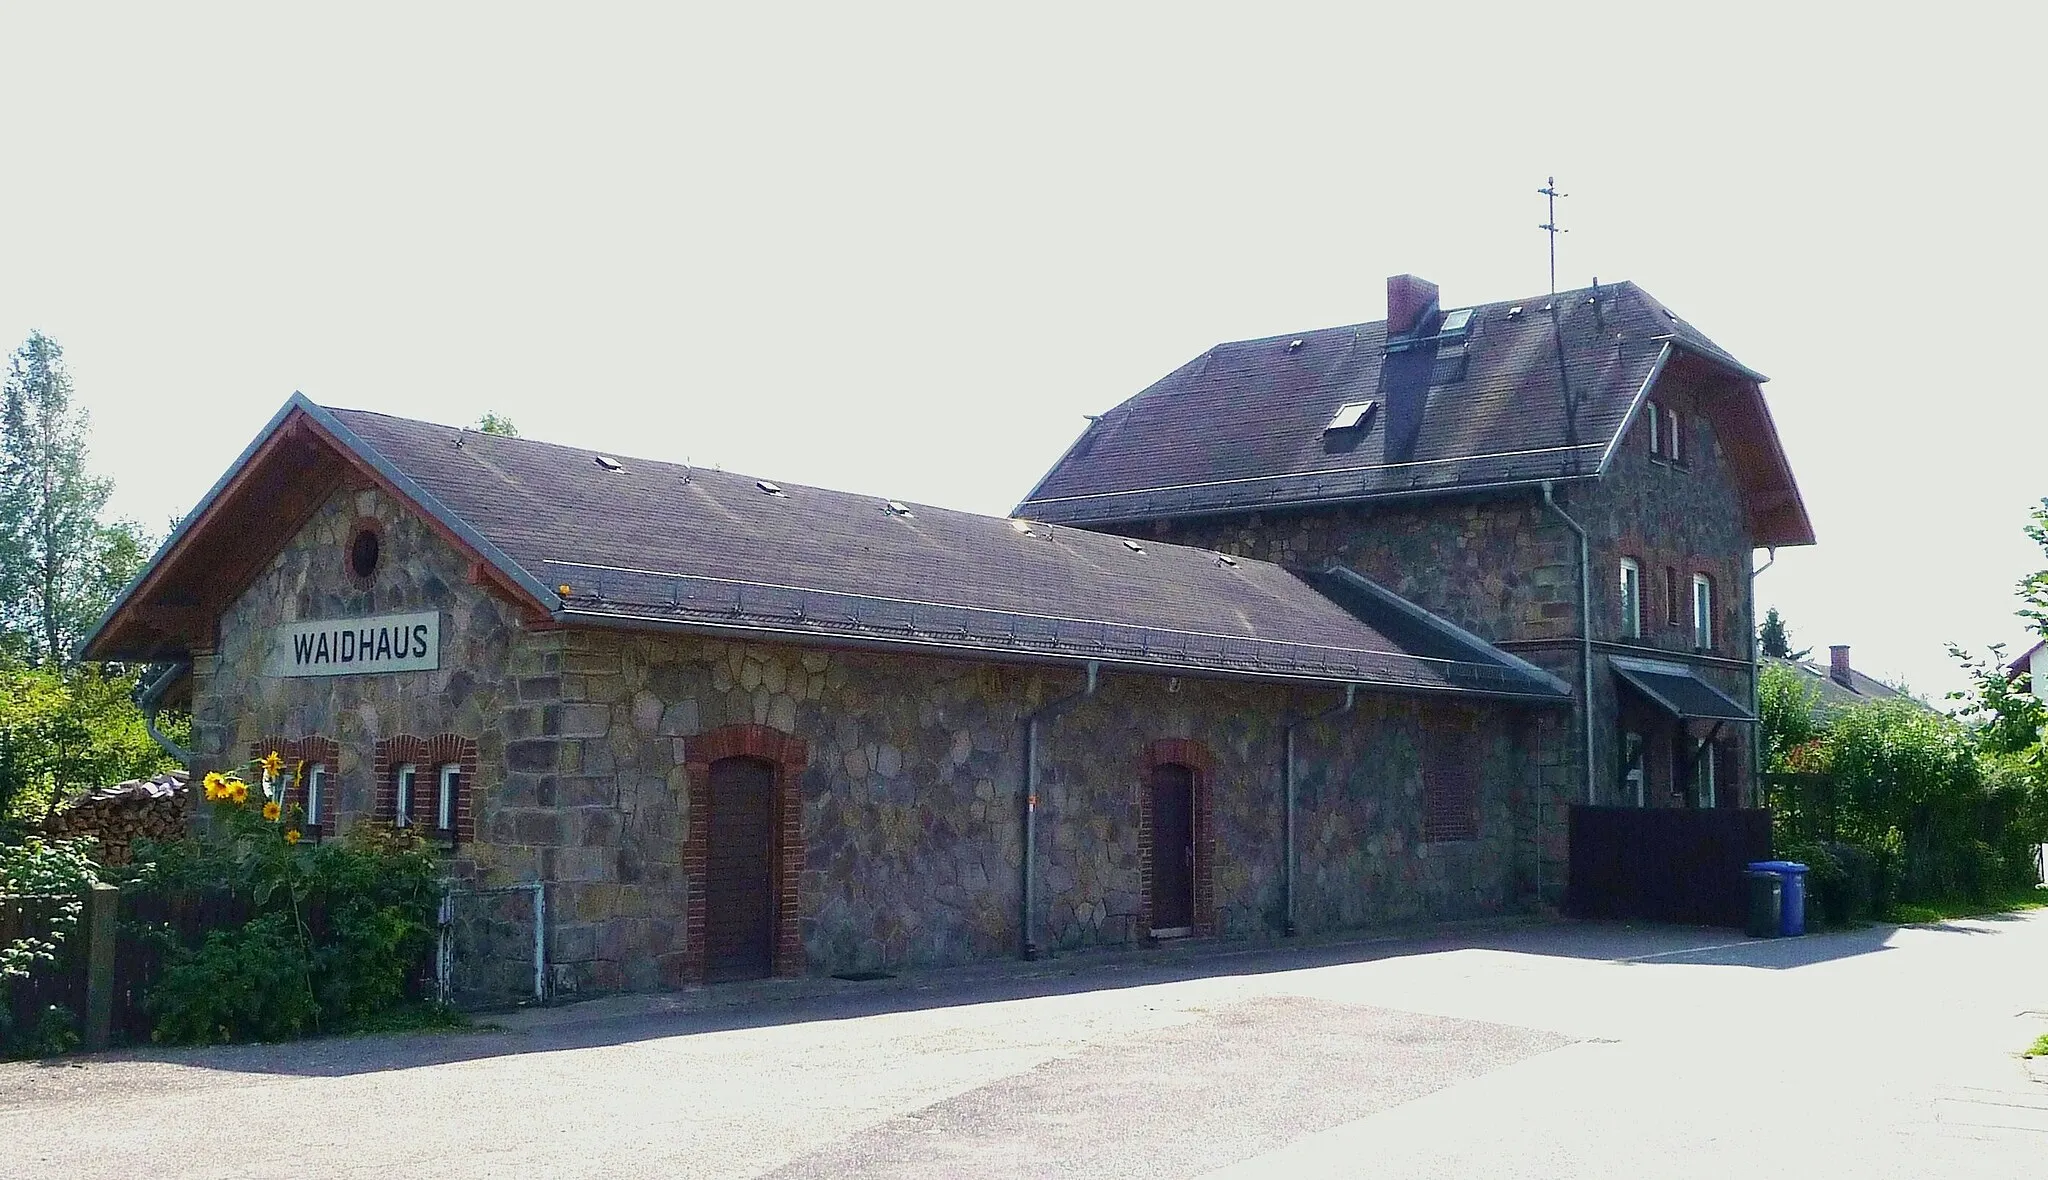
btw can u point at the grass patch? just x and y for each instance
(425, 1016)
(1940, 910)
(2039, 1048)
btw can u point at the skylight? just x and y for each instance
(1021, 525)
(771, 489)
(1133, 546)
(1456, 323)
(1351, 416)
(896, 508)
(1226, 559)
(609, 463)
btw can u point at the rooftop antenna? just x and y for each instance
(1549, 190)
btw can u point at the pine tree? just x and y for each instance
(1776, 639)
(59, 565)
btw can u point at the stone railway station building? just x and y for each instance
(1318, 632)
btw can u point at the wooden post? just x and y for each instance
(102, 908)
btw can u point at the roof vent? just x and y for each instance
(609, 463)
(1293, 345)
(1352, 416)
(1227, 559)
(1133, 546)
(1515, 312)
(896, 508)
(771, 489)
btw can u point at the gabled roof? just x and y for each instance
(604, 540)
(1242, 426)
(1833, 693)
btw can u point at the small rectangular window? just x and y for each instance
(1707, 785)
(1456, 323)
(1632, 767)
(1673, 613)
(445, 797)
(316, 791)
(1672, 449)
(1351, 416)
(1656, 431)
(1631, 599)
(1702, 612)
(403, 817)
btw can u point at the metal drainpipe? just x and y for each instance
(1756, 699)
(1287, 791)
(1585, 630)
(1043, 712)
(149, 698)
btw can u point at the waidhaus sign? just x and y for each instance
(344, 647)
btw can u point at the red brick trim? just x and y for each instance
(788, 754)
(299, 753)
(1196, 757)
(427, 755)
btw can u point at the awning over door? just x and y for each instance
(1679, 691)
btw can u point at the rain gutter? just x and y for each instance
(1585, 630)
(149, 697)
(1027, 919)
(1287, 791)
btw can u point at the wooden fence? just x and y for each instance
(1664, 864)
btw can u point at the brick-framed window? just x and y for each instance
(1450, 780)
(1703, 612)
(1630, 588)
(1653, 414)
(1196, 758)
(436, 778)
(1674, 612)
(788, 755)
(310, 766)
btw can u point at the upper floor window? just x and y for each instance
(1631, 599)
(1673, 613)
(1672, 448)
(1655, 414)
(1702, 612)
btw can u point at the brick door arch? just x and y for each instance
(1195, 757)
(788, 755)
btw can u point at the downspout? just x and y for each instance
(149, 697)
(1585, 631)
(1029, 948)
(1756, 696)
(1287, 792)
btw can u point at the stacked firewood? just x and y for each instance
(153, 809)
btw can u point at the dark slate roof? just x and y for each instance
(1678, 690)
(1833, 694)
(636, 542)
(1242, 426)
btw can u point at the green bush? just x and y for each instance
(338, 932)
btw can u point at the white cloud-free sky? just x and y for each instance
(902, 250)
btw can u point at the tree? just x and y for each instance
(1776, 638)
(2034, 587)
(60, 563)
(497, 424)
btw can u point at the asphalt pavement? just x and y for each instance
(1546, 1051)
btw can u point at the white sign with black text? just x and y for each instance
(344, 647)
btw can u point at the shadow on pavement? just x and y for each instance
(770, 1003)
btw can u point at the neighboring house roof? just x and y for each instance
(592, 539)
(1835, 694)
(1243, 426)
(2024, 664)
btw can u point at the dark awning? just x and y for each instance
(1679, 691)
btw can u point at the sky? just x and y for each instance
(902, 250)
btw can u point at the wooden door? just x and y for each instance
(1173, 847)
(739, 901)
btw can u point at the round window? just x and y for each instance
(363, 552)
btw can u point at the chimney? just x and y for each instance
(1409, 302)
(1838, 665)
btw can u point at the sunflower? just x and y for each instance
(273, 762)
(291, 836)
(237, 792)
(271, 811)
(216, 785)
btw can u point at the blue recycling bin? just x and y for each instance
(1792, 914)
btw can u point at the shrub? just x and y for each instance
(336, 935)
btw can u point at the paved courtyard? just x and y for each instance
(1529, 1052)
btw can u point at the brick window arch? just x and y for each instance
(310, 751)
(1196, 758)
(428, 756)
(788, 754)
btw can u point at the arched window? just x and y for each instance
(1631, 599)
(306, 785)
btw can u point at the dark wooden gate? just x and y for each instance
(1173, 847)
(739, 903)
(1664, 864)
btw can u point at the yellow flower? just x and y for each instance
(271, 811)
(291, 836)
(272, 763)
(298, 772)
(238, 792)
